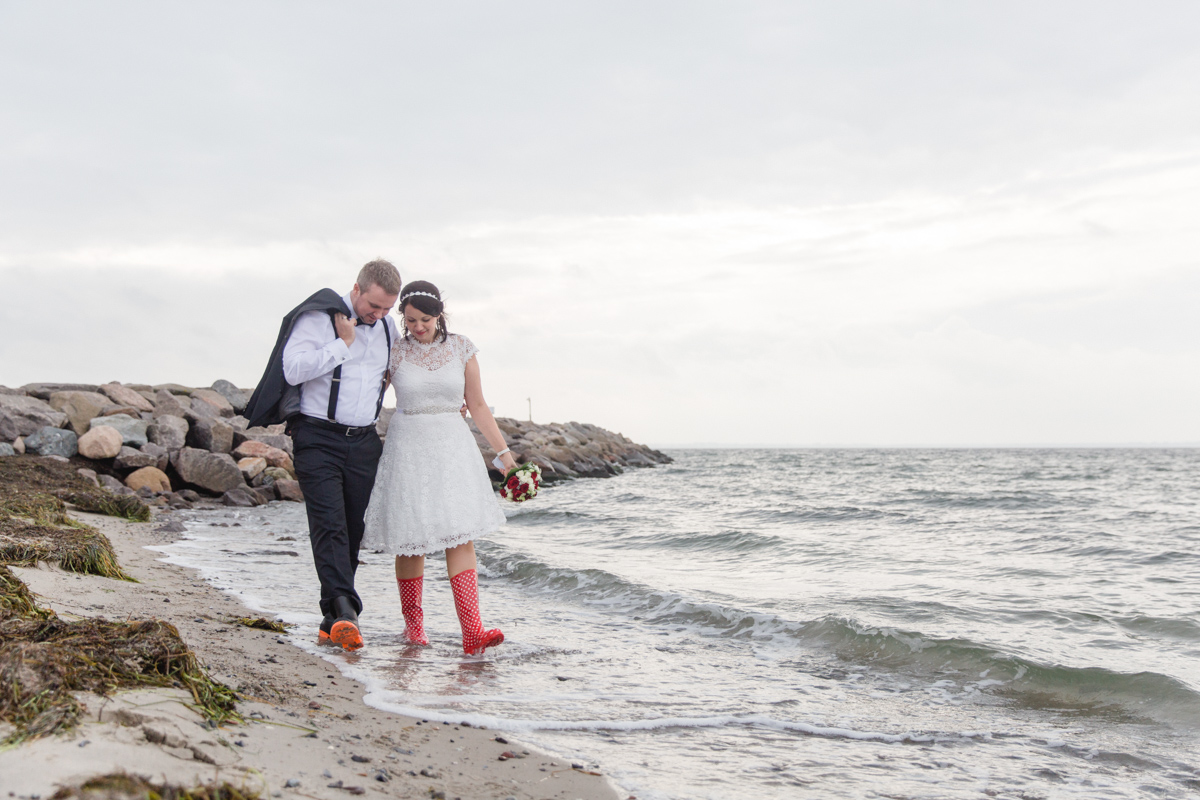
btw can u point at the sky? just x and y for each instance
(752, 223)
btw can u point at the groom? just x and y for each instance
(335, 351)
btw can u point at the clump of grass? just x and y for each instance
(83, 549)
(120, 786)
(126, 506)
(262, 624)
(44, 660)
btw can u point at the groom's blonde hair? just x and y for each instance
(379, 273)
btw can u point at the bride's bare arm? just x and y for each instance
(483, 415)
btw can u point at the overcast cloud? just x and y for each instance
(770, 223)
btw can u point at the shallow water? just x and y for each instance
(808, 623)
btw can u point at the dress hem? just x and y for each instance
(445, 544)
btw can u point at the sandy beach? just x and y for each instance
(307, 732)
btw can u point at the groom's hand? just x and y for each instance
(345, 328)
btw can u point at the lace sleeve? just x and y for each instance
(467, 349)
(396, 357)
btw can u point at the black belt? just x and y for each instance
(347, 430)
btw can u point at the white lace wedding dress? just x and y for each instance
(432, 489)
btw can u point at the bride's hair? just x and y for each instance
(424, 297)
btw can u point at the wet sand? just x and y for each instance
(307, 732)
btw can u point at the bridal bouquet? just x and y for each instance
(521, 483)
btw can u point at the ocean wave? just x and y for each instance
(978, 667)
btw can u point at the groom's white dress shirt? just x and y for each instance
(314, 350)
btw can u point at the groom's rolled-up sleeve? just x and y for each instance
(308, 353)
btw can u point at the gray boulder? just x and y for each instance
(129, 458)
(133, 431)
(80, 407)
(6, 449)
(211, 398)
(172, 405)
(21, 415)
(173, 388)
(125, 396)
(52, 442)
(160, 453)
(215, 472)
(241, 496)
(42, 391)
(111, 483)
(236, 397)
(212, 435)
(169, 432)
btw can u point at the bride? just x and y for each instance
(432, 490)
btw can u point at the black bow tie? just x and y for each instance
(362, 322)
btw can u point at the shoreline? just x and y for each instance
(332, 750)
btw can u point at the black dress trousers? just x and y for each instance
(336, 474)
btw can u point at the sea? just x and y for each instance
(825, 623)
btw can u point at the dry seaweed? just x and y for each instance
(120, 786)
(126, 506)
(82, 549)
(28, 485)
(16, 600)
(44, 660)
(262, 624)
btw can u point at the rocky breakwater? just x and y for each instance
(564, 450)
(173, 445)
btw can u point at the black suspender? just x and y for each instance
(336, 386)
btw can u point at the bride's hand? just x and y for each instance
(508, 461)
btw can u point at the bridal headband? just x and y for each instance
(423, 294)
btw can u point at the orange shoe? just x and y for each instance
(323, 634)
(344, 630)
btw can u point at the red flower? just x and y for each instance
(513, 482)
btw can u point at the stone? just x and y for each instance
(239, 423)
(42, 391)
(88, 475)
(173, 388)
(6, 390)
(214, 399)
(111, 483)
(52, 442)
(124, 396)
(6, 449)
(273, 455)
(21, 415)
(277, 474)
(128, 411)
(19, 445)
(169, 432)
(167, 404)
(151, 478)
(99, 442)
(212, 435)
(235, 396)
(278, 440)
(250, 467)
(57, 458)
(129, 458)
(286, 489)
(215, 472)
(265, 494)
(133, 431)
(241, 496)
(160, 453)
(189, 495)
(80, 407)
